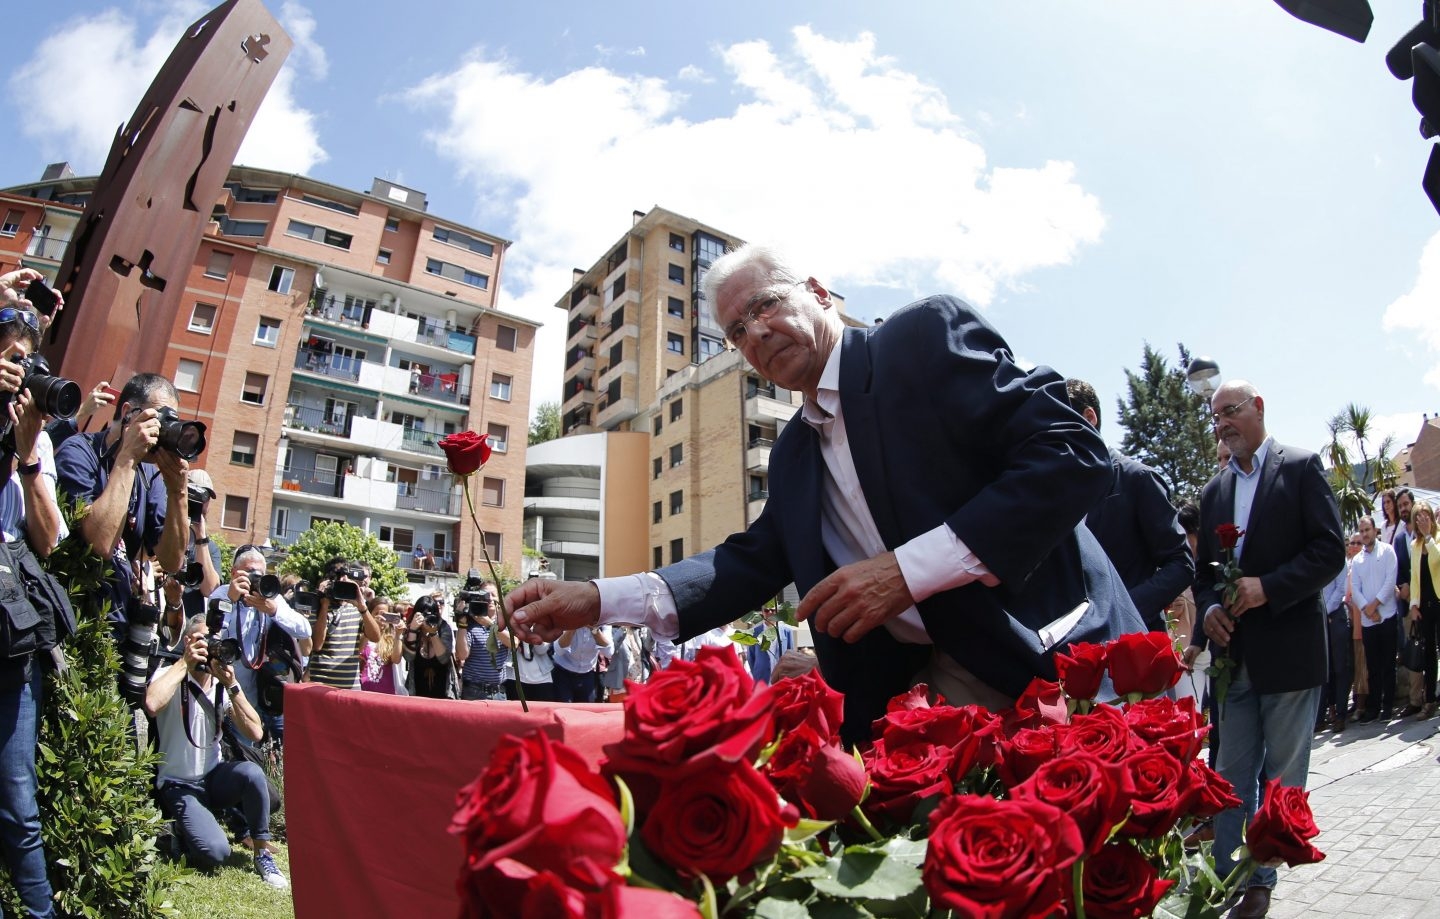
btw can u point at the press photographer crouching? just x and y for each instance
(35, 612)
(189, 700)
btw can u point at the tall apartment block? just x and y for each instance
(329, 338)
(643, 354)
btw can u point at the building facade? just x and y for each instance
(329, 339)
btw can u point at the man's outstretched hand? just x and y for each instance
(856, 598)
(540, 609)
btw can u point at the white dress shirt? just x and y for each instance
(1372, 577)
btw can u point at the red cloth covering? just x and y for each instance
(370, 784)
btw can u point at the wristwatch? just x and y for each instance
(202, 541)
(233, 689)
(28, 468)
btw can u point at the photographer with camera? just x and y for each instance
(482, 672)
(429, 649)
(342, 625)
(194, 784)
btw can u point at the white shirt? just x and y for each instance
(1372, 577)
(932, 562)
(12, 492)
(1246, 484)
(181, 760)
(250, 625)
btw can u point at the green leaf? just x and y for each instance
(807, 829)
(772, 908)
(627, 806)
(743, 638)
(861, 873)
(839, 909)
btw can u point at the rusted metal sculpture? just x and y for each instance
(125, 271)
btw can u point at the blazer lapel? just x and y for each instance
(1263, 489)
(862, 433)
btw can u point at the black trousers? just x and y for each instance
(1381, 645)
(1342, 664)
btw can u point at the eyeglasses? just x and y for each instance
(248, 547)
(1229, 411)
(761, 308)
(12, 313)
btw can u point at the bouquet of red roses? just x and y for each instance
(727, 797)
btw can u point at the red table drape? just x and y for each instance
(370, 784)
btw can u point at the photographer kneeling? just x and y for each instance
(193, 783)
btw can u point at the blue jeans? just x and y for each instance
(19, 811)
(194, 810)
(1269, 731)
(573, 687)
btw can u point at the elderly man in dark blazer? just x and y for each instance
(1273, 630)
(927, 500)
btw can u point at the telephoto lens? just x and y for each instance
(136, 650)
(186, 439)
(268, 586)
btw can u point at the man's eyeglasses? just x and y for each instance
(759, 309)
(13, 313)
(1229, 411)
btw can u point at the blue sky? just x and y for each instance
(1093, 176)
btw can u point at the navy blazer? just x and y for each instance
(944, 428)
(1294, 544)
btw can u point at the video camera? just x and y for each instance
(222, 650)
(475, 597)
(55, 396)
(345, 591)
(305, 602)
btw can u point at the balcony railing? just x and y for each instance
(318, 421)
(761, 442)
(760, 495)
(335, 309)
(440, 335)
(337, 366)
(312, 482)
(51, 247)
(429, 500)
(442, 386)
(761, 389)
(423, 442)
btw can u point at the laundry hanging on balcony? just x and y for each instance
(449, 381)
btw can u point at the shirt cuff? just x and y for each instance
(937, 561)
(642, 599)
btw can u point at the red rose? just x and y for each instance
(1042, 702)
(989, 858)
(1143, 663)
(1120, 884)
(1282, 828)
(1102, 732)
(1155, 783)
(465, 451)
(818, 777)
(1023, 753)
(510, 889)
(808, 699)
(918, 696)
(1083, 786)
(972, 732)
(1209, 792)
(1229, 536)
(537, 802)
(718, 827)
(1176, 726)
(903, 777)
(1081, 668)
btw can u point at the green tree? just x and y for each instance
(324, 541)
(1356, 484)
(546, 425)
(1167, 427)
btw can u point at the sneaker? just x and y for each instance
(265, 867)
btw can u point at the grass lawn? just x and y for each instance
(235, 891)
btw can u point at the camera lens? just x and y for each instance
(56, 396)
(269, 586)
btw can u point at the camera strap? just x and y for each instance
(214, 707)
(262, 639)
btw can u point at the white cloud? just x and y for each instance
(692, 74)
(1404, 427)
(82, 82)
(861, 170)
(1415, 311)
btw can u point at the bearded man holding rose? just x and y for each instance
(1273, 504)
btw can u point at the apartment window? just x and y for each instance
(332, 205)
(243, 448)
(677, 274)
(456, 273)
(254, 389)
(677, 550)
(281, 526)
(464, 241)
(499, 437)
(237, 512)
(655, 511)
(612, 392)
(475, 279)
(500, 386)
(218, 265)
(281, 279)
(383, 256)
(757, 487)
(267, 333)
(677, 408)
(675, 344)
(252, 228)
(677, 455)
(392, 224)
(492, 545)
(492, 492)
(657, 424)
(659, 557)
(677, 502)
(709, 347)
(202, 318)
(245, 195)
(615, 290)
(187, 375)
(319, 234)
(505, 337)
(677, 242)
(401, 539)
(617, 353)
(12, 222)
(676, 307)
(659, 466)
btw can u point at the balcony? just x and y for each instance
(427, 442)
(757, 453)
(375, 318)
(429, 500)
(761, 403)
(440, 335)
(614, 412)
(318, 421)
(329, 364)
(444, 387)
(754, 504)
(324, 483)
(580, 332)
(48, 247)
(350, 312)
(583, 356)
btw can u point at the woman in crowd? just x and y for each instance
(1392, 528)
(1424, 602)
(534, 669)
(380, 661)
(429, 650)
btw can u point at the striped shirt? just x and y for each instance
(480, 667)
(338, 663)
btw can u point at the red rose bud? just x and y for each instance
(1229, 536)
(466, 451)
(1024, 752)
(834, 786)
(720, 826)
(1081, 668)
(1143, 663)
(1282, 828)
(1121, 884)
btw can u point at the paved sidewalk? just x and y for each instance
(1375, 791)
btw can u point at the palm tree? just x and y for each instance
(1355, 485)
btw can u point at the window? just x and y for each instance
(757, 487)
(237, 512)
(500, 386)
(617, 353)
(254, 389)
(677, 274)
(505, 337)
(677, 502)
(677, 550)
(675, 344)
(332, 205)
(475, 279)
(677, 408)
(12, 222)
(658, 423)
(402, 539)
(612, 392)
(464, 241)
(202, 318)
(267, 333)
(492, 492)
(319, 234)
(281, 279)
(499, 436)
(709, 347)
(281, 526)
(457, 273)
(677, 455)
(254, 228)
(676, 307)
(218, 266)
(383, 256)
(245, 195)
(655, 511)
(392, 224)
(677, 242)
(243, 448)
(492, 545)
(659, 465)
(659, 556)
(187, 375)
(615, 290)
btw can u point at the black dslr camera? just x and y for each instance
(472, 601)
(195, 497)
(185, 439)
(267, 586)
(55, 396)
(191, 575)
(222, 650)
(429, 610)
